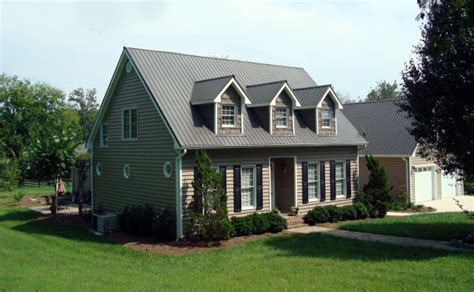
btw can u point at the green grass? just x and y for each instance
(440, 226)
(37, 255)
(29, 191)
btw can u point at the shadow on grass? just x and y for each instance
(326, 246)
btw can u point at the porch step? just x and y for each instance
(295, 221)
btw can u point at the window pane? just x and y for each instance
(105, 135)
(339, 170)
(339, 187)
(126, 124)
(326, 117)
(281, 118)
(312, 172)
(228, 115)
(247, 187)
(134, 124)
(313, 190)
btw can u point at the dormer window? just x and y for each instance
(281, 119)
(326, 118)
(228, 116)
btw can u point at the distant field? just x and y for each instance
(32, 188)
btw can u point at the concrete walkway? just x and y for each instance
(404, 241)
(449, 205)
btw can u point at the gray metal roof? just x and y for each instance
(383, 125)
(170, 78)
(264, 93)
(311, 96)
(207, 90)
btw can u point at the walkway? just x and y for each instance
(404, 241)
(449, 205)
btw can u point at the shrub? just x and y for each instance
(316, 215)
(164, 227)
(242, 226)
(10, 175)
(19, 194)
(349, 212)
(137, 220)
(276, 222)
(361, 210)
(334, 213)
(260, 223)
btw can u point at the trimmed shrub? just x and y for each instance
(137, 220)
(276, 222)
(361, 211)
(349, 213)
(316, 215)
(242, 226)
(334, 213)
(260, 223)
(164, 227)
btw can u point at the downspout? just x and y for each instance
(179, 193)
(407, 177)
(92, 179)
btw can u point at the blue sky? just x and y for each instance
(350, 44)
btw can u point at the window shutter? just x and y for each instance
(304, 170)
(237, 195)
(332, 174)
(348, 179)
(197, 202)
(222, 170)
(259, 188)
(322, 180)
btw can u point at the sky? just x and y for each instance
(349, 44)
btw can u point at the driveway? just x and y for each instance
(449, 205)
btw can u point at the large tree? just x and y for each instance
(438, 85)
(384, 90)
(84, 101)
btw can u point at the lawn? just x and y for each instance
(33, 190)
(441, 226)
(37, 255)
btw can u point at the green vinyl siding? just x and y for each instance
(145, 155)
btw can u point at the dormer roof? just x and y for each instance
(210, 90)
(265, 94)
(312, 97)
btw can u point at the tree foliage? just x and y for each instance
(384, 90)
(84, 101)
(438, 85)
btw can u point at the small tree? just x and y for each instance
(208, 213)
(375, 195)
(82, 165)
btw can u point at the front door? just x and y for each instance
(283, 183)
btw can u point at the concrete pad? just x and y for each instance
(449, 205)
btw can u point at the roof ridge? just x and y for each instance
(267, 83)
(309, 87)
(216, 58)
(374, 101)
(215, 78)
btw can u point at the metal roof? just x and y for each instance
(311, 96)
(383, 125)
(207, 90)
(264, 93)
(170, 77)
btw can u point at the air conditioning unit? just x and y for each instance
(105, 223)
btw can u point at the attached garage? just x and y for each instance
(424, 184)
(448, 186)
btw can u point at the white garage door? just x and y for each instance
(448, 186)
(424, 177)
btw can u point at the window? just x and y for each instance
(130, 124)
(340, 179)
(281, 119)
(129, 67)
(326, 118)
(98, 169)
(313, 181)
(228, 116)
(167, 169)
(104, 135)
(248, 187)
(126, 171)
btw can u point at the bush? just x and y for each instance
(137, 220)
(316, 215)
(349, 212)
(260, 223)
(202, 227)
(361, 211)
(10, 175)
(164, 227)
(334, 213)
(242, 226)
(276, 222)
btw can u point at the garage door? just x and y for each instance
(424, 177)
(448, 186)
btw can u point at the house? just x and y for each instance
(385, 127)
(279, 139)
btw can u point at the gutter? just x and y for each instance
(407, 177)
(179, 193)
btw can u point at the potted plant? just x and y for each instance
(294, 210)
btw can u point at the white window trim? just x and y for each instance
(318, 190)
(344, 180)
(97, 166)
(130, 123)
(287, 119)
(222, 117)
(102, 145)
(242, 207)
(330, 118)
(129, 171)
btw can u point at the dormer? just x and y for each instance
(319, 107)
(274, 104)
(220, 102)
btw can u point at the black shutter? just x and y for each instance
(259, 188)
(197, 202)
(332, 174)
(237, 195)
(322, 180)
(222, 170)
(304, 170)
(348, 178)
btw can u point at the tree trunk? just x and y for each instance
(80, 194)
